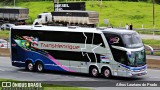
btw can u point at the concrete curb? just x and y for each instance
(153, 63)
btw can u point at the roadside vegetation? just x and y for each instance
(4, 34)
(149, 31)
(118, 13)
(155, 44)
(48, 86)
(152, 42)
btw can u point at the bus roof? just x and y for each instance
(73, 29)
(118, 31)
(57, 28)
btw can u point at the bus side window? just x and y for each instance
(119, 55)
(114, 40)
(98, 40)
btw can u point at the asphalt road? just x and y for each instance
(9, 72)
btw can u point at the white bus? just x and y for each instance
(97, 51)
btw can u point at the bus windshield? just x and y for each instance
(132, 40)
(128, 41)
(137, 58)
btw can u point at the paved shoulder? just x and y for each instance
(153, 57)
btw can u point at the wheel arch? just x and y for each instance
(93, 65)
(38, 60)
(29, 60)
(103, 67)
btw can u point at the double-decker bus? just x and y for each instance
(97, 51)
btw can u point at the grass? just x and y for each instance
(1, 79)
(149, 31)
(117, 12)
(49, 86)
(152, 42)
(4, 34)
(155, 53)
(120, 13)
(36, 8)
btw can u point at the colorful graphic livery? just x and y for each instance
(109, 52)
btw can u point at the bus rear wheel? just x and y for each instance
(29, 66)
(106, 73)
(94, 71)
(39, 67)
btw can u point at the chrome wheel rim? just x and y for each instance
(94, 72)
(106, 73)
(30, 66)
(40, 68)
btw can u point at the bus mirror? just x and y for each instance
(151, 49)
(129, 54)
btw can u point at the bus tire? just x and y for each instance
(106, 72)
(93, 71)
(39, 67)
(29, 66)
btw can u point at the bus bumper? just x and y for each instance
(137, 73)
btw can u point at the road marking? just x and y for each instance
(2, 70)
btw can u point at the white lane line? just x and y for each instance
(2, 70)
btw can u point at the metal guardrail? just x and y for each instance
(148, 30)
(144, 29)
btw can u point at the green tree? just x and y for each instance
(6, 2)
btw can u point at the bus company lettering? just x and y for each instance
(68, 46)
(114, 40)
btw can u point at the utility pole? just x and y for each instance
(14, 3)
(153, 13)
(101, 2)
(57, 5)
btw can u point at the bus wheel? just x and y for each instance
(30, 66)
(39, 67)
(94, 71)
(106, 72)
